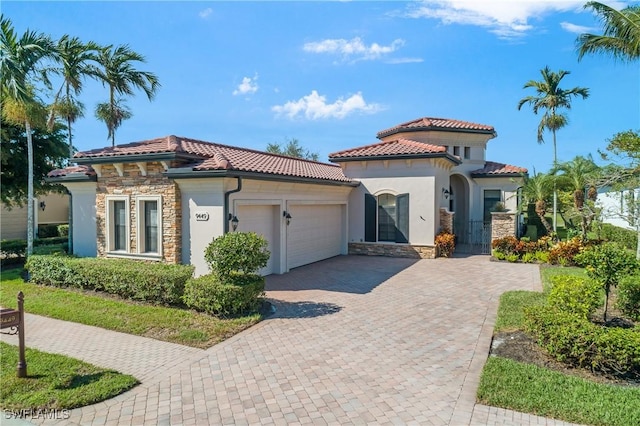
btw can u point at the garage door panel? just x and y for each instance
(261, 220)
(315, 233)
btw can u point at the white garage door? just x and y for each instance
(315, 233)
(261, 220)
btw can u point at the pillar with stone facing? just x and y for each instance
(503, 224)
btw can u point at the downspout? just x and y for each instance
(70, 232)
(226, 203)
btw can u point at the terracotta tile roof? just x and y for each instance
(498, 169)
(430, 123)
(207, 156)
(72, 170)
(396, 147)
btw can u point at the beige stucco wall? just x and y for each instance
(206, 195)
(423, 179)
(13, 221)
(84, 231)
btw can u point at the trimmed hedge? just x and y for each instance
(238, 293)
(152, 282)
(575, 295)
(629, 296)
(573, 339)
(14, 251)
(626, 237)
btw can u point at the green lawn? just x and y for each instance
(55, 381)
(531, 389)
(169, 324)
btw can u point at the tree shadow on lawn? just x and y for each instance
(346, 274)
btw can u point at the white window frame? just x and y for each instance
(109, 223)
(140, 230)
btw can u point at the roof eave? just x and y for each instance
(72, 177)
(386, 133)
(185, 173)
(131, 158)
(497, 175)
(447, 156)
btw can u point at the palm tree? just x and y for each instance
(621, 33)
(75, 57)
(117, 71)
(579, 175)
(550, 98)
(19, 58)
(537, 190)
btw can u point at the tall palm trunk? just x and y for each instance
(30, 203)
(112, 107)
(541, 211)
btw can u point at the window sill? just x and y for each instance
(137, 256)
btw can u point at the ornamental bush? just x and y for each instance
(629, 296)
(151, 282)
(239, 293)
(445, 244)
(564, 252)
(237, 252)
(576, 295)
(571, 338)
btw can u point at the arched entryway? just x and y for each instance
(459, 204)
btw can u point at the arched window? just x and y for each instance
(387, 218)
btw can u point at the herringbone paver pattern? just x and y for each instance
(354, 340)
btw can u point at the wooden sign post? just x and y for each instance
(14, 319)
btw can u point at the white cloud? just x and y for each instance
(204, 14)
(249, 86)
(505, 18)
(576, 29)
(405, 61)
(315, 106)
(354, 49)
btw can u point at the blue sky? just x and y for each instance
(333, 74)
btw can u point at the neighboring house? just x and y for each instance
(50, 209)
(166, 199)
(619, 208)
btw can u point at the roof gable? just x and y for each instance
(440, 124)
(493, 169)
(397, 148)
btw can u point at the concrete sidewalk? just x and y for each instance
(354, 340)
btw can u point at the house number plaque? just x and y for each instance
(202, 216)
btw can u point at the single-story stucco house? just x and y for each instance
(166, 199)
(48, 209)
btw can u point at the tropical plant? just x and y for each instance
(550, 98)
(621, 33)
(538, 190)
(292, 148)
(116, 70)
(75, 64)
(19, 60)
(579, 175)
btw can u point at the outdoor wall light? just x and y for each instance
(445, 193)
(287, 216)
(234, 221)
(42, 205)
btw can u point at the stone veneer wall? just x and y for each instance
(446, 220)
(133, 183)
(503, 224)
(393, 250)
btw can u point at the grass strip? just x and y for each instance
(55, 381)
(174, 325)
(511, 309)
(531, 389)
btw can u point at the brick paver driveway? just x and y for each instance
(354, 340)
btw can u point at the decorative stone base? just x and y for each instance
(393, 250)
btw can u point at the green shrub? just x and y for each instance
(629, 296)
(237, 252)
(574, 294)
(15, 250)
(238, 294)
(573, 339)
(512, 258)
(542, 256)
(151, 282)
(528, 257)
(498, 254)
(46, 231)
(622, 236)
(63, 230)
